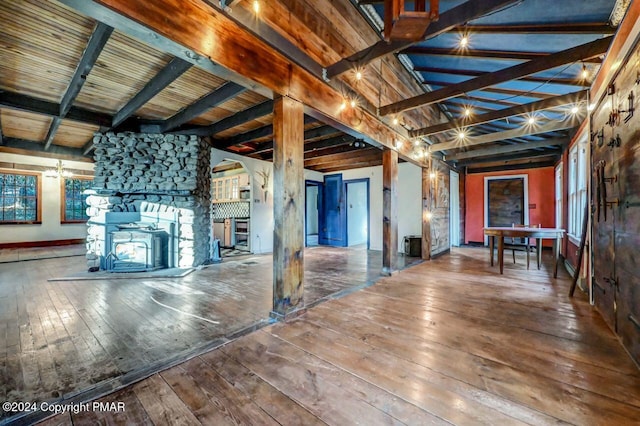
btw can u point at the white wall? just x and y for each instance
(261, 210)
(409, 201)
(50, 229)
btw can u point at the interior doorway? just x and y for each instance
(506, 201)
(313, 202)
(454, 208)
(230, 209)
(357, 211)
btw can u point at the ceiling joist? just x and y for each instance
(38, 106)
(571, 98)
(552, 153)
(450, 19)
(507, 149)
(532, 79)
(568, 56)
(158, 83)
(232, 121)
(251, 135)
(526, 130)
(221, 94)
(96, 43)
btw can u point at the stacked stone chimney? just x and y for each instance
(169, 172)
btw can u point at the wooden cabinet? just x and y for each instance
(230, 188)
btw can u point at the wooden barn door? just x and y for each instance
(615, 167)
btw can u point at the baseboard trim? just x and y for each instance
(31, 244)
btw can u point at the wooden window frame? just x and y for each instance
(38, 177)
(63, 200)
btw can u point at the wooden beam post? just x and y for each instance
(426, 214)
(389, 211)
(288, 208)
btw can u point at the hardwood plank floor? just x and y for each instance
(445, 342)
(59, 339)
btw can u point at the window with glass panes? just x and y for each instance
(577, 189)
(74, 200)
(18, 198)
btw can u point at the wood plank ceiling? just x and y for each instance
(64, 76)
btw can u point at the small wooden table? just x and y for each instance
(538, 233)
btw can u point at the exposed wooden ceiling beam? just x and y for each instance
(504, 159)
(448, 20)
(258, 133)
(38, 106)
(473, 73)
(571, 98)
(557, 28)
(159, 82)
(567, 56)
(244, 116)
(508, 92)
(346, 164)
(483, 54)
(37, 148)
(359, 165)
(506, 167)
(348, 157)
(309, 148)
(459, 53)
(509, 134)
(506, 149)
(51, 133)
(96, 43)
(221, 94)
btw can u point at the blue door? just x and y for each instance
(332, 219)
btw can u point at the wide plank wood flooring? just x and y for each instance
(59, 339)
(445, 342)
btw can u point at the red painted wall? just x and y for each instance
(541, 193)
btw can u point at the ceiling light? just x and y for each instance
(353, 103)
(256, 6)
(464, 41)
(531, 120)
(58, 171)
(358, 75)
(399, 144)
(575, 109)
(416, 142)
(467, 112)
(432, 175)
(462, 134)
(343, 105)
(395, 121)
(585, 72)
(591, 107)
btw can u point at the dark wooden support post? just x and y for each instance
(288, 208)
(426, 214)
(389, 211)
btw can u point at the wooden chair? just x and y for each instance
(522, 244)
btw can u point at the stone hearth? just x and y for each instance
(147, 178)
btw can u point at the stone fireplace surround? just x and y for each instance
(159, 180)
